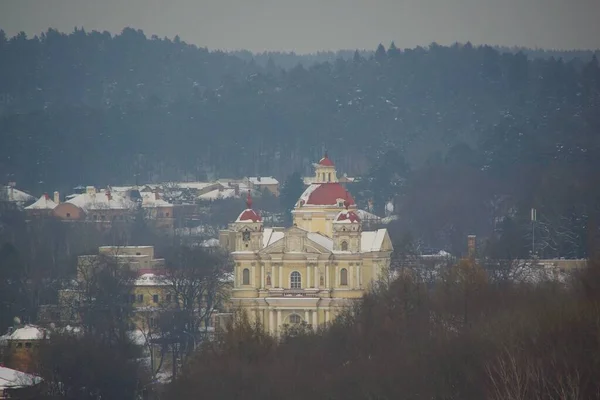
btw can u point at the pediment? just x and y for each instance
(295, 240)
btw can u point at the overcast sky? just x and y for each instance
(309, 25)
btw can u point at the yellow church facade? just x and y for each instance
(312, 270)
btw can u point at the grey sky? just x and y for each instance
(309, 25)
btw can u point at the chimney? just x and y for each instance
(471, 241)
(237, 190)
(258, 179)
(56, 197)
(46, 196)
(90, 190)
(108, 195)
(156, 195)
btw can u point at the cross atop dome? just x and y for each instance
(248, 201)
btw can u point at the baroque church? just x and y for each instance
(312, 270)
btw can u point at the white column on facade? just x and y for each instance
(306, 318)
(278, 320)
(327, 276)
(350, 276)
(253, 277)
(271, 321)
(280, 276)
(337, 276)
(307, 275)
(327, 316)
(358, 285)
(262, 276)
(315, 321)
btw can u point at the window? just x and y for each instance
(344, 246)
(140, 298)
(68, 215)
(246, 276)
(295, 280)
(344, 277)
(295, 319)
(19, 345)
(167, 214)
(132, 298)
(168, 298)
(155, 298)
(138, 254)
(28, 345)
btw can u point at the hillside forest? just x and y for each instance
(464, 139)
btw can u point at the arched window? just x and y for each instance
(295, 280)
(246, 276)
(344, 246)
(295, 319)
(344, 277)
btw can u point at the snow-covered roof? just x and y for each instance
(15, 195)
(218, 194)
(102, 201)
(263, 180)
(150, 200)
(122, 188)
(212, 242)
(28, 332)
(13, 379)
(43, 203)
(365, 215)
(270, 236)
(190, 185)
(322, 240)
(150, 279)
(372, 240)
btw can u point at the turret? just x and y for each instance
(347, 230)
(325, 170)
(248, 227)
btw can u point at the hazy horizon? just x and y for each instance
(310, 26)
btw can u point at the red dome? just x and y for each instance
(347, 216)
(326, 162)
(326, 194)
(249, 215)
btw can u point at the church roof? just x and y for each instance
(348, 217)
(249, 215)
(325, 194)
(326, 161)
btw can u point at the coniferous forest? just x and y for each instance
(465, 139)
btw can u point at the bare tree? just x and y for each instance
(103, 297)
(197, 280)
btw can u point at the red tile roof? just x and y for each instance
(328, 194)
